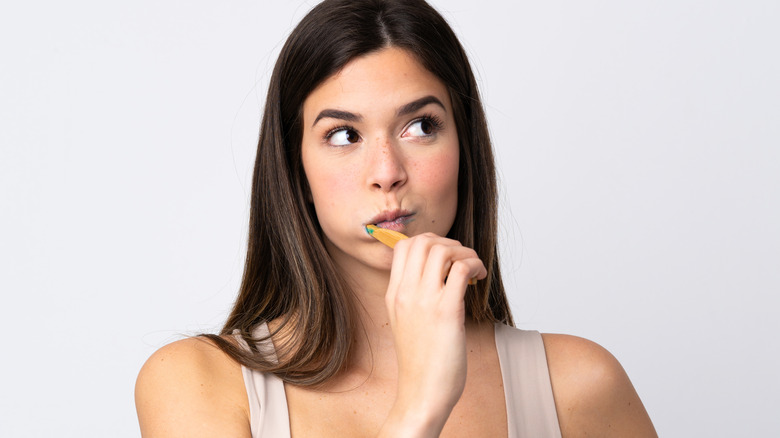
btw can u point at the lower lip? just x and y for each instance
(395, 225)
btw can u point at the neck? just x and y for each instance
(373, 336)
(374, 339)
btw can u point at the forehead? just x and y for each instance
(385, 79)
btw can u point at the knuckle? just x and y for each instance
(424, 239)
(460, 268)
(439, 251)
(402, 301)
(402, 244)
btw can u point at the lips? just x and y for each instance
(395, 220)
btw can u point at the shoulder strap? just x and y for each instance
(530, 406)
(267, 400)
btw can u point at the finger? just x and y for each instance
(461, 272)
(408, 261)
(419, 251)
(440, 260)
(400, 255)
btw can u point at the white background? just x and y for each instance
(639, 153)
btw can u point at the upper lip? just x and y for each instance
(388, 215)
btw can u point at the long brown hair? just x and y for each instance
(289, 276)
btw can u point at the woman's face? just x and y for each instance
(380, 147)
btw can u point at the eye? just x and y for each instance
(342, 136)
(423, 127)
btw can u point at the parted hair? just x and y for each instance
(289, 276)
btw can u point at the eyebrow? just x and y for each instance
(402, 111)
(337, 114)
(417, 104)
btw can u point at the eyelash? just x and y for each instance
(333, 131)
(433, 119)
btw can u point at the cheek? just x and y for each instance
(440, 174)
(330, 187)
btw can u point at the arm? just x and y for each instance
(190, 388)
(593, 394)
(426, 307)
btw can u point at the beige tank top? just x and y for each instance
(530, 406)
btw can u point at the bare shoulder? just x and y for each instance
(191, 388)
(593, 394)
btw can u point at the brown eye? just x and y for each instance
(343, 137)
(426, 127)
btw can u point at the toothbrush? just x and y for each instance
(390, 238)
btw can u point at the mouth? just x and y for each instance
(395, 220)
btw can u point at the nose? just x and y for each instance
(386, 169)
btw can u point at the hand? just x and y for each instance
(425, 302)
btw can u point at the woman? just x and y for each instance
(373, 117)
